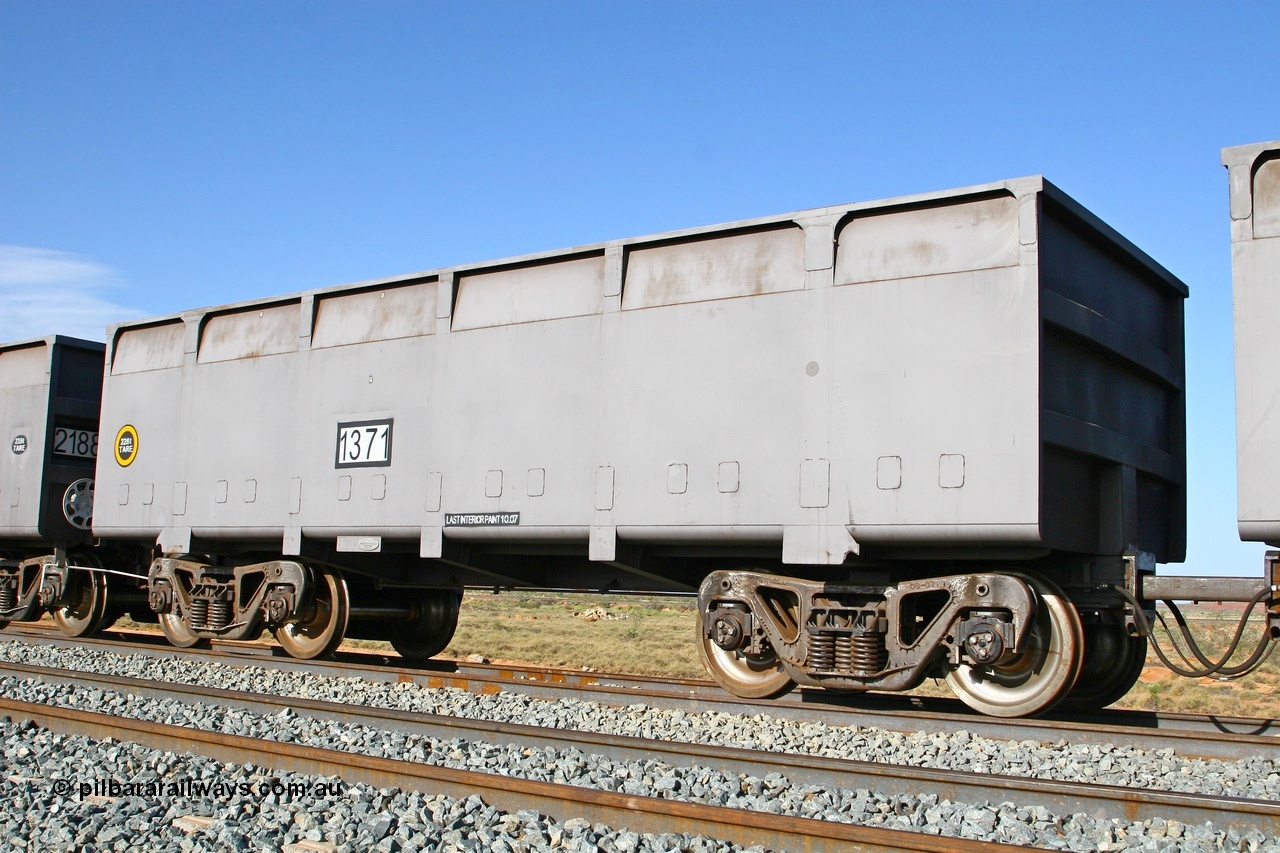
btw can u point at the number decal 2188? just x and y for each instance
(81, 443)
(364, 444)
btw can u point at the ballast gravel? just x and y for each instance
(169, 803)
(1106, 764)
(774, 793)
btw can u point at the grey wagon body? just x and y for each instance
(49, 397)
(985, 372)
(1254, 175)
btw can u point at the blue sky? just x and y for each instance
(161, 156)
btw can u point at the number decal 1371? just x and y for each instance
(364, 444)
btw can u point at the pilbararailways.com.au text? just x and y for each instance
(193, 788)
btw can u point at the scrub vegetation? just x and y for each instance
(641, 635)
(1254, 695)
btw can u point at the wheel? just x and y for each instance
(111, 616)
(77, 504)
(748, 677)
(320, 632)
(1113, 661)
(1039, 677)
(176, 631)
(87, 603)
(430, 628)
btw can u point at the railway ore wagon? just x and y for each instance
(883, 441)
(50, 390)
(1254, 177)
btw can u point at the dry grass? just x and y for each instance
(641, 635)
(1253, 695)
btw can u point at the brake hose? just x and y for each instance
(1210, 668)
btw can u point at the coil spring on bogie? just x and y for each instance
(822, 652)
(8, 597)
(199, 615)
(844, 653)
(220, 614)
(864, 653)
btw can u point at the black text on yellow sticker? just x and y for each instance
(126, 446)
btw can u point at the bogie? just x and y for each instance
(1010, 643)
(309, 609)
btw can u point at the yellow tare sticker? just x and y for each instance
(126, 446)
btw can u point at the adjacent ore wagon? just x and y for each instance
(1254, 174)
(50, 389)
(920, 437)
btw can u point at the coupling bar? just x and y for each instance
(1174, 588)
(1153, 588)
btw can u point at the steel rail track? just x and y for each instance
(1098, 801)
(640, 814)
(1201, 736)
